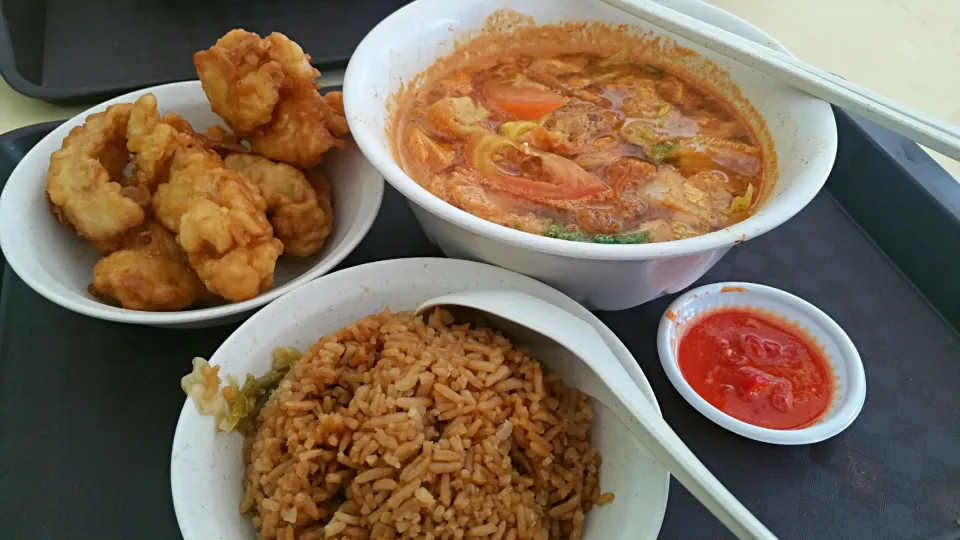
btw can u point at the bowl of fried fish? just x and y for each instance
(191, 204)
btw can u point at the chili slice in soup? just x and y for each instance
(582, 147)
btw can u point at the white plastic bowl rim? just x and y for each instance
(703, 299)
(366, 135)
(185, 90)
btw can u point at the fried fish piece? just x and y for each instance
(241, 79)
(266, 91)
(243, 272)
(152, 143)
(305, 127)
(302, 216)
(150, 273)
(220, 219)
(84, 180)
(153, 139)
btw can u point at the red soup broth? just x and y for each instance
(757, 368)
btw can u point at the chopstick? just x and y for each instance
(866, 93)
(922, 128)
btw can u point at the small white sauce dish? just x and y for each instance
(850, 383)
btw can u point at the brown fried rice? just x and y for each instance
(403, 427)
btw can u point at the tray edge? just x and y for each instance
(908, 181)
(85, 95)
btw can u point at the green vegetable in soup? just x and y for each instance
(604, 239)
(641, 237)
(652, 70)
(557, 231)
(634, 238)
(660, 151)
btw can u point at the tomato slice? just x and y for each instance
(528, 172)
(524, 101)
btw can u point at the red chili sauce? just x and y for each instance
(756, 368)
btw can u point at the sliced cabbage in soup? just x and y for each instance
(583, 148)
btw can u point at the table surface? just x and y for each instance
(908, 50)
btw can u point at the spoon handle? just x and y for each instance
(600, 374)
(667, 448)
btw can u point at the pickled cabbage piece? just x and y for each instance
(234, 407)
(455, 116)
(743, 202)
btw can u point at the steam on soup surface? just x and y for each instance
(582, 147)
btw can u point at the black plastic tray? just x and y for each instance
(88, 408)
(84, 51)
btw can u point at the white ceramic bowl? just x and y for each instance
(841, 354)
(206, 468)
(58, 264)
(405, 44)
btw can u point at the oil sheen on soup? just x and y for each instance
(582, 147)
